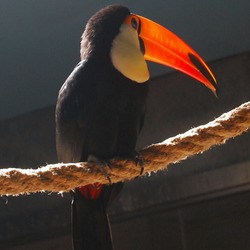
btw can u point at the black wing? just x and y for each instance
(69, 133)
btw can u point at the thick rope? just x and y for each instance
(64, 177)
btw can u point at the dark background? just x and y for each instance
(201, 203)
(40, 40)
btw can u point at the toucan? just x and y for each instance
(101, 105)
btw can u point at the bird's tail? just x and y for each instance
(91, 229)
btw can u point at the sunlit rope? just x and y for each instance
(64, 177)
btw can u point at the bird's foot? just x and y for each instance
(138, 159)
(101, 164)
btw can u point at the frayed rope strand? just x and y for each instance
(64, 177)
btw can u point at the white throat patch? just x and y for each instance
(127, 57)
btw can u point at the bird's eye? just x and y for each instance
(134, 23)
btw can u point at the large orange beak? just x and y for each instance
(164, 47)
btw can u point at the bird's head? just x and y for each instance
(129, 40)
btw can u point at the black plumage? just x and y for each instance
(99, 112)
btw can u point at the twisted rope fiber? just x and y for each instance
(64, 177)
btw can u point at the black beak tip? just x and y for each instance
(217, 91)
(197, 63)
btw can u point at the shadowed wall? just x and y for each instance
(201, 203)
